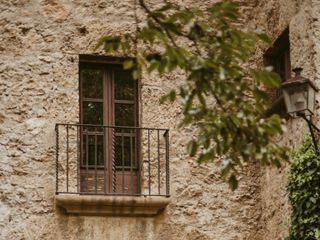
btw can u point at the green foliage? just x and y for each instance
(222, 96)
(304, 194)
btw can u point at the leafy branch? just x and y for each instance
(213, 52)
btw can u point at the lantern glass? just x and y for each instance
(311, 98)
(299, 99)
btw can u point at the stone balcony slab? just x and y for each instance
(111, 205)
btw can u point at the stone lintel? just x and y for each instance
(111, 205)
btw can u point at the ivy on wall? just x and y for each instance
(304, 193)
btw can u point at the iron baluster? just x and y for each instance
(122, 161)
(158, 135)
(95, 163)
(57, 158)
(149, 167)
(78, 159)
(67, 171)
(105, 160)
(131, 163)
(113, 162)
(167, 164)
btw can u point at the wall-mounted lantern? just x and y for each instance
(299, 95)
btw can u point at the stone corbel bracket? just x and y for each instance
(111, 205)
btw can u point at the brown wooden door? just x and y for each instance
(108, 96)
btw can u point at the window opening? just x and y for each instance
(278, 56)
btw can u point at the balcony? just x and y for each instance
(112, 170)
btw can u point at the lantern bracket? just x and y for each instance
(312, 127)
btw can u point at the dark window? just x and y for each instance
(109, 104)
(279, 58)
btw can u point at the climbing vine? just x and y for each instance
(304, 193)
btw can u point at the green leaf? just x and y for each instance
(264, 37)
(186, 120)
(226, 166)
(206, 156)
(128, 64)
(233, 182)
(269, 79)
(313, 200)
(101, 42)
(166, 7)
(259, 94)
(153, 66)
(192, 148)
(137, 74)
(162, 65)
(275, 78)
(171, 96)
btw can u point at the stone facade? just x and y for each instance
(40, 45)
(301, 18)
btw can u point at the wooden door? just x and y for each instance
(108, 97)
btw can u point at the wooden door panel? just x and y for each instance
(92, 181)
(127, 182)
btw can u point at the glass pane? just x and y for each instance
(94, 145)
(124, 85)
(124, 114)
(124, 151)
(92, 112)
(92, 83)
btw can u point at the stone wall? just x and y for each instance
(40, 43)
(274, 17)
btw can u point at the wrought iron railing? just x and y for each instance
(112, 160)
